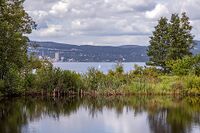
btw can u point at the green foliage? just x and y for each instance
(176, 85)
(119, 69)
(192, 85)
(14, 24)
(157, 51)
(29, 81)
(93, 79)
(180, 37)
(149, 74)
(50, 79)
(71, 81)
(196, 65)
(13, 82)
(170, 41)
(96, 80)
(187, 65)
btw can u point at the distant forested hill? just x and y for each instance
(88, 53)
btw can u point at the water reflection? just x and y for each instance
(100, 115)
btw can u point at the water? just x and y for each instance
(82, 67)
(100, 115)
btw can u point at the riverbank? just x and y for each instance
(50, 81)
(141, 81)
(162, 85)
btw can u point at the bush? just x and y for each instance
(178, 87)
(192, 84)
(13, 82)
(94, 79)
(147, 74)
(97, 80)
(30, 81)
(196, 65)
(71, 81)
(55, 79)
(187, 65)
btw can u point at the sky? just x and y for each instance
(105, 22)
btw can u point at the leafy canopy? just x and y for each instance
(171, 40)
(15, 23)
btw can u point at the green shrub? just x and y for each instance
(94, 79)
(97, 80)
(187, 65)
(196, 65)
(177, 87)
(119, 69)
(192, 84)
(147, 74)
(30, 81)
(13, 82)
(71, 81)
(55, 79)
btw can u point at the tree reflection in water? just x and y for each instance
(165, 114)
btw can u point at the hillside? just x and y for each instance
(88, 53)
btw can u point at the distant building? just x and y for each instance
(62, 59)
(40, 57)
(57, 58)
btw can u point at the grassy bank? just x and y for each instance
(142, 81)
(50, 81)
(172, 85)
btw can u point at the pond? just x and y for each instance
(138, 114)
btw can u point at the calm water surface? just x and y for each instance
(82, 67)
(100, 115)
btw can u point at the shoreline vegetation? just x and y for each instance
(54, 82)
(174, 70)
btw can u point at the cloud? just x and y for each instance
(60, 8)
(51, 30)
(113, 22)
(159, 11)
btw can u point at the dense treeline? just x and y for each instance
(170, 44)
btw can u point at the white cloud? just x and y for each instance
(113, 22)
(159, 11)
(51, 30)
(60, 7)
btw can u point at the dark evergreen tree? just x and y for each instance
(170, 41)
(157, 51)
(181, 39)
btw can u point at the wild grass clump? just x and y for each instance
(192, 85)
(143, 79)
(97, 80)
(151, 81)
